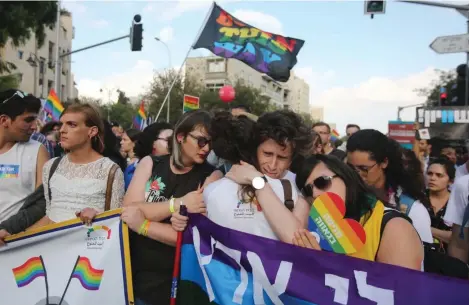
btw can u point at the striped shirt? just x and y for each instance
(39, 137)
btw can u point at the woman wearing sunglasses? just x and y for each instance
(390, 237)
(159, 186)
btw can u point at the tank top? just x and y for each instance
(17, 177)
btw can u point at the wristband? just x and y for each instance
(144, 228)
(171, 205)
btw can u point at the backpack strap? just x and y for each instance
(405, 203)
(110, 181)
(53, 168)
(287, 193)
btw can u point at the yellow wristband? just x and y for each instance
(171, 205)
(144, 228)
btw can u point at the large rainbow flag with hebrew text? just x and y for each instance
(227, 267)
(268, 53)
(53, 107)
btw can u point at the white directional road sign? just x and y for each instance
(451, 44)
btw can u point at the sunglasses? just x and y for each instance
(17, 93)
(201, 141)
(322, 183)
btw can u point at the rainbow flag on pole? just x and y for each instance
(140, 118)
(190, 103)
(334, 135)
(53, 107)
(29, 271)
(89, 277)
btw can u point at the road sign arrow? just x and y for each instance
(451, 44)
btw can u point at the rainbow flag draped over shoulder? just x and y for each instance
(140, 118)
(269, 53)
(53, 107)
(190, 103)
(220, 266)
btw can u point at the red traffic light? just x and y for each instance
(443, 95)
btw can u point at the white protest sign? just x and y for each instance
(69, 264)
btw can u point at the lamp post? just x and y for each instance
(170, 65)
(109, 93)
(32, 61)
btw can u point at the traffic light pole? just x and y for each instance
(461, 9)
(94, 46)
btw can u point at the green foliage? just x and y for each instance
(19, 19)
(122, 98)
(445, 79)
(8, 82)
(116, 112)
(209, 100)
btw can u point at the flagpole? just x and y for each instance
(185, 58)
(45, 277)
(69, 280)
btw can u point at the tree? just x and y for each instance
(18, 20)
(445, 79)
(122, 98)
(8, 82)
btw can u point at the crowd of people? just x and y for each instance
(258, 175)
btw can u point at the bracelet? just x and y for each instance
(144, 228)
(171, 205)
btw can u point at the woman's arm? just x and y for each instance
(444, 236)
(400, 245)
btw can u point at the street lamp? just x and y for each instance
(109, 93)
(170, 65)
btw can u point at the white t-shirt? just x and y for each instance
(225, 207)
(461, 171)
(457, 202)
(420, 219)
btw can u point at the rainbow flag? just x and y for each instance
(89, 277)
(334, 135)
(140, 118)
(53, 107)
(190, 103)
(29, 271)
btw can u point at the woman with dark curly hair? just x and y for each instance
(378, 160)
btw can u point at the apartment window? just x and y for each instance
(41, 81)
(216, 66)
(214, 87)
(20, 54)
(51, 54)
(41, 65)
(49, 85)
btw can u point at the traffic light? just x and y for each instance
(460, 90)
(443, 96)
(375, 7)
(136, 34)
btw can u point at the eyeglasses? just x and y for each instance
(322, 183)
(18, 93)
(362, 168)
(201, 141)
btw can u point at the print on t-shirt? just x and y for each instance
(246, 208)
(155, 186)
(9, 171)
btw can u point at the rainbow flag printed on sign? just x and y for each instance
(53, 107)
(334, 135)
(89, 277)
(190, 103)
(140, 118)
(333, 232)
(29, 271)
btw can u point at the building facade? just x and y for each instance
(317, 114)
(35, 67)
(214, 72)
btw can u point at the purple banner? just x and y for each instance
(237, 268)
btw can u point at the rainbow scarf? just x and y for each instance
(53, 107)
(140, 118)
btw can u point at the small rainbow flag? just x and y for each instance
(89, 277)
(29, 271)
(140, 118)
(53, 106)
(334, 135)
(190, 103)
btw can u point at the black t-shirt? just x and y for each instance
(152, 261)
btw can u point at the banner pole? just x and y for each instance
(69, 280)
(185, 58)
(45, 278)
